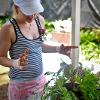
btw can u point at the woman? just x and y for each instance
(22, 37)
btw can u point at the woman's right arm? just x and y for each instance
(7, 37)
(5, 43)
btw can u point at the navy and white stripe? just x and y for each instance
(34, 66)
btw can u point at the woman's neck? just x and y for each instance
(20, 20)
(23, 24)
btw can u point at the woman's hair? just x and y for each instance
(14, 10)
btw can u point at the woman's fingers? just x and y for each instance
(66, 50)
(23, 57)
(24, 53)
(71, 47)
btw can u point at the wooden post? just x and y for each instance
(75, 30)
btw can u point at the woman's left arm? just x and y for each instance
(60, 49)
(49, 48)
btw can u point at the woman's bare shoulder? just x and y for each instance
(5, 38)
(6, 25)
(41, 18)
(7, 32)
(6, 28)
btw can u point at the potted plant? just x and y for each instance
(73, 84)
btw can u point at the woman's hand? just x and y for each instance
(66, 50)
(21, 62)
(23, 58)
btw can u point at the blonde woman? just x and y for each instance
(22, 37)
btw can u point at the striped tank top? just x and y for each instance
(34, 66)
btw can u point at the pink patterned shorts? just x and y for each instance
(23, 90)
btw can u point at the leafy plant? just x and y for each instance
(90, 44)
(73, 84)
(3, 19)
(49, 26)
(58, 91)
(88, 86)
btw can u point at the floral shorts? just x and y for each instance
(28, 90)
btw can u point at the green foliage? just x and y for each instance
(3, 20)
(90, 36)
(58, 91)
(69, 71)
(86, 85)
(49, 26)
(90, 44)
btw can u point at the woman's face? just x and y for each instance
(28, 18)
(23, 17)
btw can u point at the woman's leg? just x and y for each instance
(15, 92)
(12, 92)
